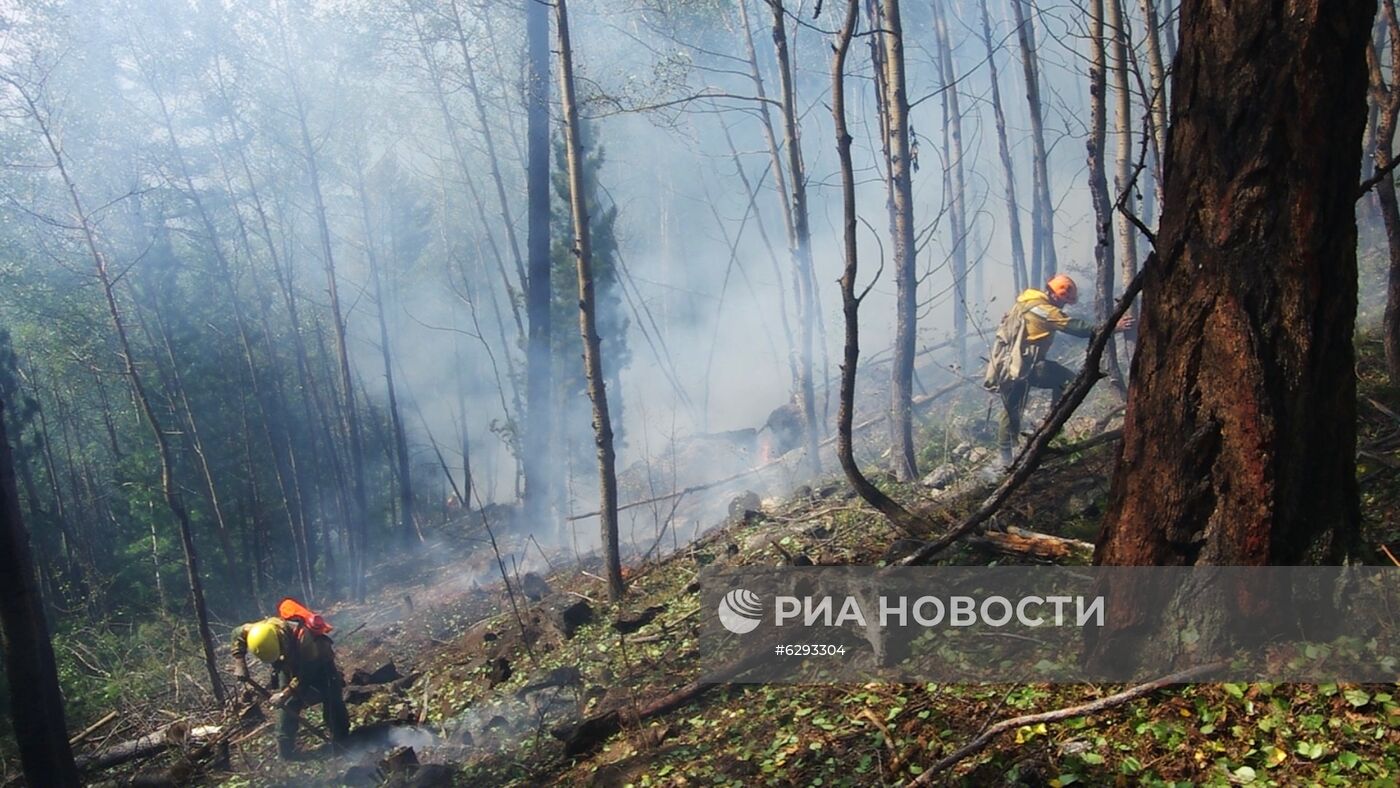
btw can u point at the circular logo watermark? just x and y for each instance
(740, 611)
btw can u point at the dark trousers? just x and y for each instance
(321, 686)
(1043, 375)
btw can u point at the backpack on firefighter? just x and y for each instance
(1012, 356)
(290, 609)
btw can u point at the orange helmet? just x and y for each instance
(1063, 288)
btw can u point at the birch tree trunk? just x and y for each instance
(806, 295)
(1123, 131)
(850, 302)
(1098, 178)
(1157, 85)
(1043, 258)
(1020, 276)
(1387, 99)
(952, 129)
(901, 205)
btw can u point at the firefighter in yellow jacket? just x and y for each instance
(304, 673)
(1040, 316)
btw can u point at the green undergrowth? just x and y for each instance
(1208, 734)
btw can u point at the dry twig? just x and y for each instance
(1102, 704)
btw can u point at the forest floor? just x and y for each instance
(467, 700)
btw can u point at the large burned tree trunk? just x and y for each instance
(35, 699)
(1239, 440)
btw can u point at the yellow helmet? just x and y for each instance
(264, 642)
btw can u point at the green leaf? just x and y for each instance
(1348, 760)
(1234, 690)
(1243, 775)
(1357, 697)
(1311, 750)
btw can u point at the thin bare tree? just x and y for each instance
(901, 206)
(1098, 177)
(805, 282)
(850, 302)
(587, 309)
(1020, 276)
(1043, 258)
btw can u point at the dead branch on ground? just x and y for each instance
(1093, 707)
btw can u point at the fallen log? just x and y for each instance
(583, 737)
(1032, 544)
(588, 734)
(1086, 444)
(176, 734)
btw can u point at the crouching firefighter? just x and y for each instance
(297, 645)
(1019, 360)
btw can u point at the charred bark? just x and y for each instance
(32, 673)
(1239, 439)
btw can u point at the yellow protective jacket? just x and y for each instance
(1024, 336)
(1043, 319)
(303, 651)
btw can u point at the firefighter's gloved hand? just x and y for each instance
(280, 698)
(1126, 323)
